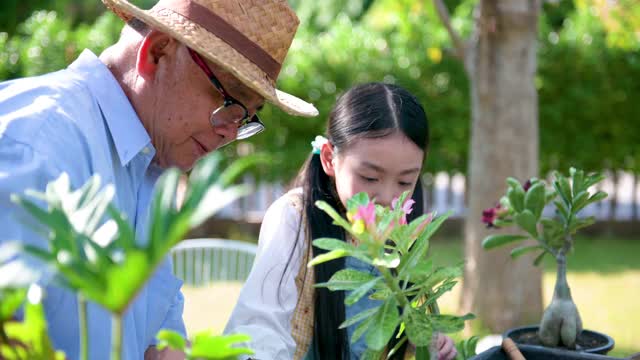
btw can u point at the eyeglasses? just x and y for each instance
(232, 110)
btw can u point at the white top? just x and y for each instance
(265, 307)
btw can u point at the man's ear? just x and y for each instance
(326, 159)
(153, 46)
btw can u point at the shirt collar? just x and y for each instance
(129, 135)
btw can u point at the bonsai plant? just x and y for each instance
(93, 252)
(408, 286)
(522, 206)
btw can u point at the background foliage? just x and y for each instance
(589, 63)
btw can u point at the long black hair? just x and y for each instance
(370, 110)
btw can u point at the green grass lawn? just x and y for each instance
(604, 275)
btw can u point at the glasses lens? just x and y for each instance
(224, 115)
(249, 129)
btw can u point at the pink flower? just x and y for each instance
(366, 213)
(423, 225)
(489, 216)
(407, 208)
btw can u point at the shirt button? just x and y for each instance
(146, 150)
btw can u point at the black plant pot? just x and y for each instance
(588, 341)
(532, 352)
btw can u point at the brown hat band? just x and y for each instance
(226, 32)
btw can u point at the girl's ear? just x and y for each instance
(326, 158)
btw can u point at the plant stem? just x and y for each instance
(562, 290)
(402, 300)
(116, 336)
(82, 318)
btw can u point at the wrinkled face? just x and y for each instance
(181, 131)
(382, 167)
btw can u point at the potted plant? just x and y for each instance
(522, 206)
(93, 252)
(409, 284)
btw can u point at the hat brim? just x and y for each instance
(215, 50)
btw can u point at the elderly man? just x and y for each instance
(185, 78)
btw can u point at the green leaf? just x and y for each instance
(562, 209)
(539, 259)
(363, 327)
(593, 179)
(418, 326)
(337, 219)
(347, 279)
(163, 206)
(125, 239)
(449, 323)
(580, 200)
(331, 255)
(389, 261)
(386, 320)
(420, 271)
(420, 246)
(598, 196)
(519, 251)
(441, 274)
(171, 339)
(361, 291)
(577, 178)
(125, 280)
(534, 199)
(10, 301)
(578, 224)
(516, 198)
(208, 346)
(370, 354)
(493, 241)
(564, 190)
(514, 183)
(422, 353)
(332, 244)
(527, 221)
(239, 166)
(357, 200)
(358, 317)
(214, 199)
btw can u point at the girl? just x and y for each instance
(377, 141)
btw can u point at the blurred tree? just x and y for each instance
(500, 59)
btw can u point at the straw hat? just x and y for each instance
(248, 38)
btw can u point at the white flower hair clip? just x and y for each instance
(317, 144)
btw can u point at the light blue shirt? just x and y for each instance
(79, 121)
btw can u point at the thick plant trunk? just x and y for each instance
(501, 62)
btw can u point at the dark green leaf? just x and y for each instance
(361, 291)
(539, 258)
(519, 251)
(449, 323)
(418, 326)
(332, 244)
(534, 199)
(386, 320)
(516, 198)
(347, 279)
(358, 317)
(493, 241)
(527, 221)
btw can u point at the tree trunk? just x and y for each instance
(501, 62)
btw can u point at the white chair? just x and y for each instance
(199, 262)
